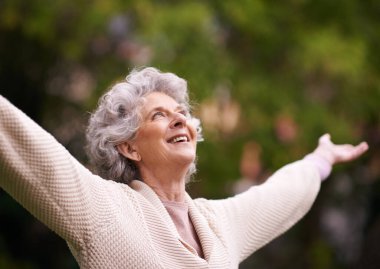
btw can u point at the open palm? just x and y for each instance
(339, 153)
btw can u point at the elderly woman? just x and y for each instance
(136, 213)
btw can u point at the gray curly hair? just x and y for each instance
(117, 119)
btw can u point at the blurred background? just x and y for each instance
(267, 78)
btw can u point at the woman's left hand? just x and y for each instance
(339, 153)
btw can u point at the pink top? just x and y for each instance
(179, 213)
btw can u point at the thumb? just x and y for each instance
(325, 139)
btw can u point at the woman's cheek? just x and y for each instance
(192, 123)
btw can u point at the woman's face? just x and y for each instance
(166, 135)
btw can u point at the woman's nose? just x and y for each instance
(179, 121)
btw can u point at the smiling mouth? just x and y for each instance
(178, 139)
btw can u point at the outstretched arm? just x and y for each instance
(42, 176)
(263, 212)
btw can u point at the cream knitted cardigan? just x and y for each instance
(113, 225)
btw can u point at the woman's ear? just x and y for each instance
(127, 150)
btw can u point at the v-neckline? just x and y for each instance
(199, 222)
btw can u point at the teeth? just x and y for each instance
(179, 138)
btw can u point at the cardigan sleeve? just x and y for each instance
(42, 176)
(250, 220)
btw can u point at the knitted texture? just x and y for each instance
(324, 166)
(113, 225)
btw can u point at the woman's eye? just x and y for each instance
(157, 115)
(185, 113)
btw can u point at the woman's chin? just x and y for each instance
(183, 158)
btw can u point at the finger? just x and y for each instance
(362, 147)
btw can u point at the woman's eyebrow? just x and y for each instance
(181, 107)
(157, 108)
(161, 108)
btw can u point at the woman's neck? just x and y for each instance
(168, 185)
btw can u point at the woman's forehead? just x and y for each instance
(159, 100)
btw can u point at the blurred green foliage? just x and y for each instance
(311, 66)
